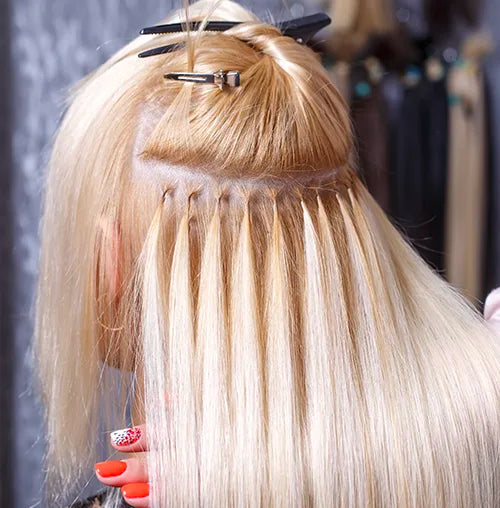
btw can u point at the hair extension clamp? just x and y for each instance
(220, 78)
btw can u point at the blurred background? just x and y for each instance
(422, 78)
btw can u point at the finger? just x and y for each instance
(492, 309)
(117, 473)
(136, 494)
(133, 439)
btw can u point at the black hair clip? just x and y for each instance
(301, 29)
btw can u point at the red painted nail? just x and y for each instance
(132, 490)
(126, 437)
(110, 468)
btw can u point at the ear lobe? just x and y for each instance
(111, 256)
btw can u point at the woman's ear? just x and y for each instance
(111, 256)
(110, 282)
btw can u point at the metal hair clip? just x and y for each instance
(221, 78)
(301, 29)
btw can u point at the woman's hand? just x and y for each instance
(130, 474)
(492, 309)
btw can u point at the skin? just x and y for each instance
(492, 309)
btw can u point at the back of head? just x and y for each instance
(218, 246)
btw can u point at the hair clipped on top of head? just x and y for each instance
(285, 117)
(217, 246)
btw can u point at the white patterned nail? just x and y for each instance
(126, 437)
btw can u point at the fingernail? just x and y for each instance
(135, 490)
(126, 437)
(110, 468)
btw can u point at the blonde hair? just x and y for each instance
(466, 210)
(310, 357)
(354, 22)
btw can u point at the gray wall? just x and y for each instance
(52, 43)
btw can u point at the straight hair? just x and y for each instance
(217, 246)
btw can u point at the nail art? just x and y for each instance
(110, 468)
(132, 490)
(126, 437)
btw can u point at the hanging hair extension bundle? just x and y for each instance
(355, 22)
(466, 199)
(310, 357)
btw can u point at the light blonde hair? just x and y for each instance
(310, 357)
(466, 209)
